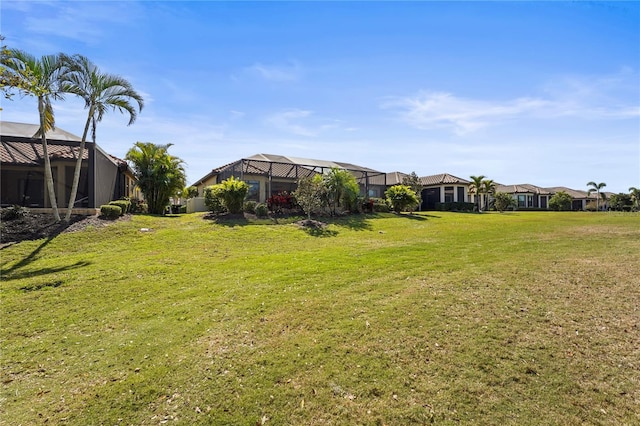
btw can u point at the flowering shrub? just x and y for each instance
(281, 201)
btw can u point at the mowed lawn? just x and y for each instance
(516, 318)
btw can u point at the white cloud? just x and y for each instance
(289, 121)
(277, 73)
(81, 21)
(594, 98)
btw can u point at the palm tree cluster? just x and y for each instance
(479, 186)
(49, 78)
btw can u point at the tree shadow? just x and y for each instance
(320, 232)
(355, 222)
(10, 274)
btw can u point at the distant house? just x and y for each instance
(527, 195)
(269, 174)
(103, 177)
(580, 198)
(443, 188)
(440, 188)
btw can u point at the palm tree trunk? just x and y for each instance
(76, 172)
(48, 176)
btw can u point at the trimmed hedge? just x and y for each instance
(124, 205)
(456, 206)
(110, 211)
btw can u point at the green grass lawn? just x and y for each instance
(515, 318)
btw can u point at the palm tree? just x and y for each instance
(39, 78)
(100, 92)
(476, 188)
(489, 188)
(635, 196)
(159, 175)
(596, 187)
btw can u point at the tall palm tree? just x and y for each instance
(635, 196)
(476, 188)
(596, 187)
(159, 175)
(38, 77)
(489, 188)
(100, 92)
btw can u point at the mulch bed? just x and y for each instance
(34, 226)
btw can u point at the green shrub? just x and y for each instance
(560, 201)
(380, 205)
(250, 206)
(401, 198)
(262, 210)
(124, 205)
(230, 193)
(504, 201)
(183, 209)
(111, 211)
(138, 206)
(213, 199)
(14, 212)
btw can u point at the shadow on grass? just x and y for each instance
(10, 273)
(320, 232)
(356, 222)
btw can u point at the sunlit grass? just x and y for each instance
(518, 318)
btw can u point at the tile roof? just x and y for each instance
(395, 178)
(524, 188)
(573, 192)
(441, 179)
(30, 153)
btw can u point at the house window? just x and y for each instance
(461, 194)
(522, 201)
(543, 202)
(448, 194)
(254, 190)
(529, 200)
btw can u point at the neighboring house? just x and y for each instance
(268, 174)
(527, 195)
(443, 188)
(102, 178)
(530, 196)
(580, 198)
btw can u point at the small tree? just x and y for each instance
(596, 187)
(310, 194)
(159, 175)
(503, 200)
(620, 202)
(232, 192)
(401, 197)
(342, 189)
(213, 199)
(476, 189)
(635, 197)
(560, 201)
(413, 182)
(190, 192)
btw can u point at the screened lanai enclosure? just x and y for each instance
(103, 177)
(268, 175)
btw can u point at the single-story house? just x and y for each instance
(268, 174)
(440, 188)
(444, 188)
(103, 177)
(527, 195)
(580, 198)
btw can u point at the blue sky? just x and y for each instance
(546, 93)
